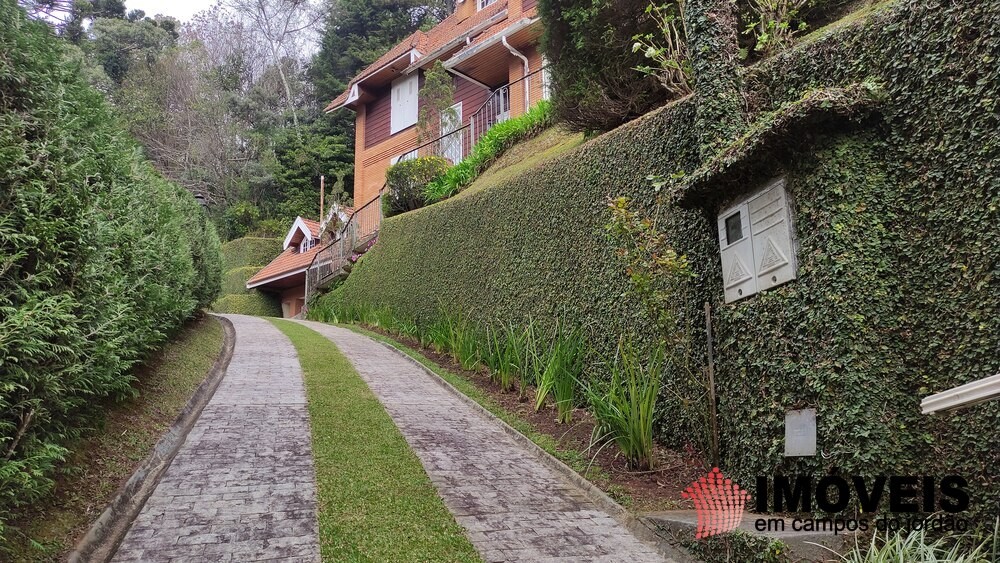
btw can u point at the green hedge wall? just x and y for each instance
(242, 258)
(253, 303)
(234, 281)
(100, 258)
(896, 216)
(249, 251)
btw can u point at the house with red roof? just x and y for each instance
(285, 276)
(490, 49)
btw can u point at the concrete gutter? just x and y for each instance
(107, 532)
(633, 524)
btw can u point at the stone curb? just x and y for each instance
(631, 522)
(107, 532)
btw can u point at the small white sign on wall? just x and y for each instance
(800, 433)
(755, 241)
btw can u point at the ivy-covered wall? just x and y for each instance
(896, 213)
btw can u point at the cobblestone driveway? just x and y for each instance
(513, 507)
(242, 487)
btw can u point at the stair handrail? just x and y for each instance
(345, 250)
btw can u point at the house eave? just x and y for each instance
(280, 276)
(515, 27)
(434, 55)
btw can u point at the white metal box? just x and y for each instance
(756, 244)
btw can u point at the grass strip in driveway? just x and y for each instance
(376, 503)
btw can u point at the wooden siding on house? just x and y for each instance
(375, 160)
(471, 95)
(377, 123)
(375, 146)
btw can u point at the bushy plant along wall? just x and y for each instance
(100, 258)
(896, 215)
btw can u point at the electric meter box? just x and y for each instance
(756, 244)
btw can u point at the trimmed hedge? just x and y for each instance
(896, 221)
(253, 303)
(234, 282)
(101, 259)
(249, 251)
(244, 257)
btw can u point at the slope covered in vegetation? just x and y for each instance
(882, 127)
(100, 258)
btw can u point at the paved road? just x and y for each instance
(242, 487)
(513, 507)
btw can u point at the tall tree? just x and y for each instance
(357, 32)
(119, 44)
(280, 26)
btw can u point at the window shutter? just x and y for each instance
(403, 112)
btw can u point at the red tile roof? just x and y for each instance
(496, 29)
(288, 262)
(313, 226)
(450, 28)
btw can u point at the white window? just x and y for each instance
(306, 244)
(480, 4)
(451, 145)
(402, 157)
(546, 80)
(503, 103)
(403, 112)
(755, 241)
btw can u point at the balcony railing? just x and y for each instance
(456, 145)
(334, 260)
(453, 146)
(496, 108)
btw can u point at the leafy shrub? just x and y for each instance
(488, 149)
(407, 180)
(589, 48)
(625, 407)
(667, 49)
(773, 23)
(102, 259)
(916, 547)
(738, 545)
(240, 219)
(253, 303)
(249, 251)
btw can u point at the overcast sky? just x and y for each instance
(180, 9)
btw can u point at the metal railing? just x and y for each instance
(357, 235)
(456, 145)
(453, 146)
(496, 108)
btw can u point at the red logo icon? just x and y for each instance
(719, 503)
